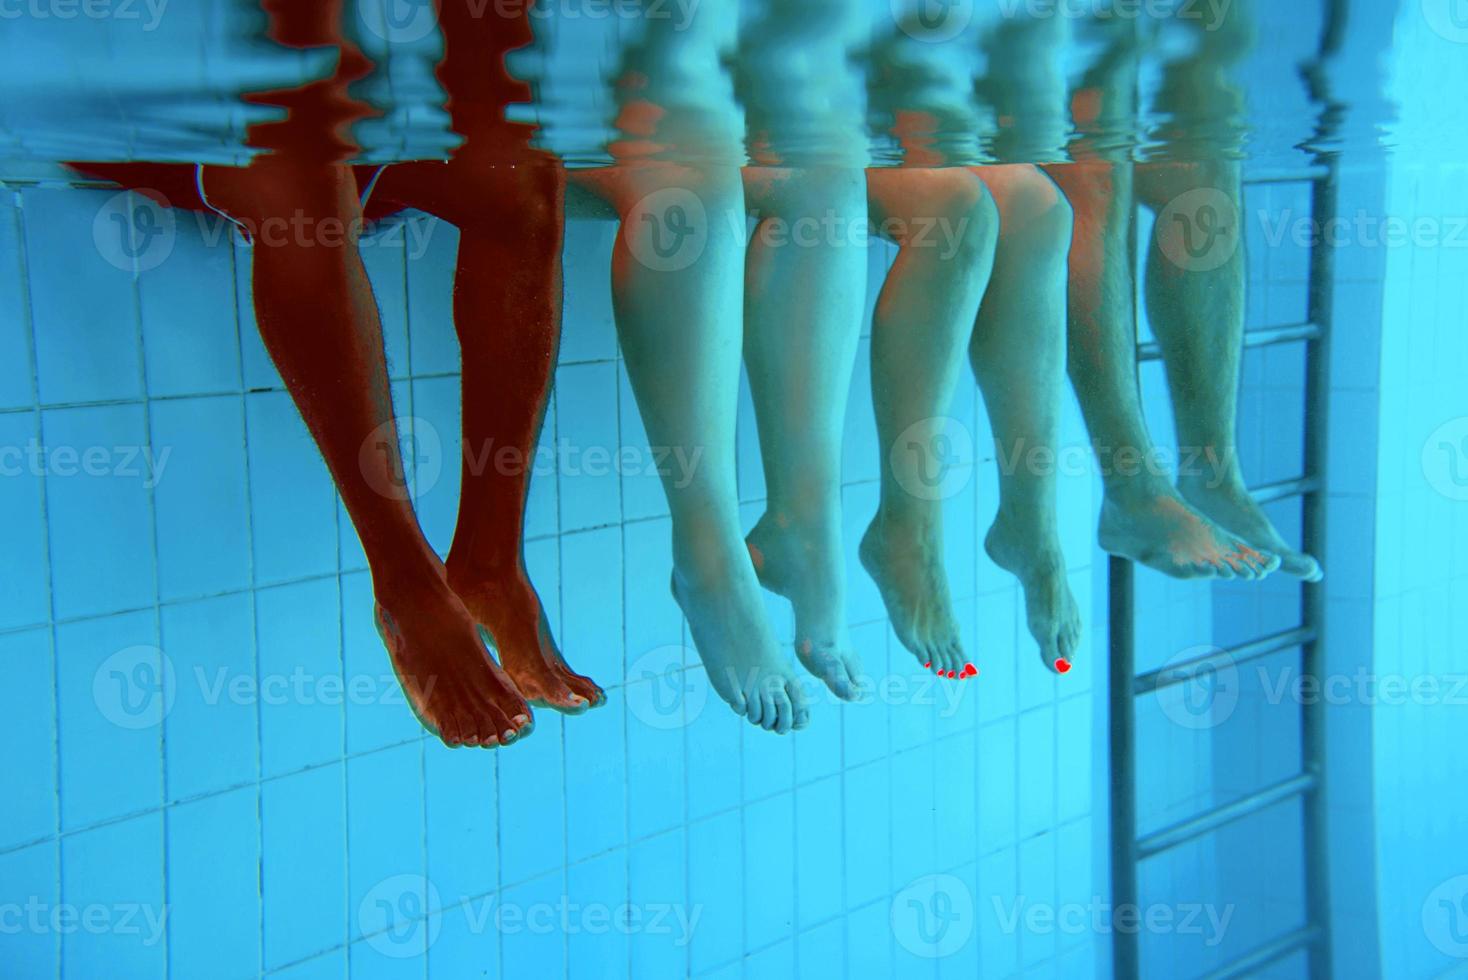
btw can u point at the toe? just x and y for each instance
(956, 658)
(769, 716)
(784, 711)
(938, 657)
(1200, 569)
(1050, 654)
(450, 733)
(840, 682)
(1302, 566)
(754, 708)
(943, 658)
(799, 707)
(1066, 647)
(928, 658)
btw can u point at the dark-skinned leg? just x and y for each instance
(507, 313)
(319, 321)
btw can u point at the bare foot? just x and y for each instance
(905, 559)
(1050, 608)
(804, 565)
(727, 620)
(1230, 505)
(457, 691)
(507, 606)
(1155, 527)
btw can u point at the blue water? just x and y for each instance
(209, 771)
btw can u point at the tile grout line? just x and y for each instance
(166, 814)
(254, 593)
(28, 308)
(423, 765)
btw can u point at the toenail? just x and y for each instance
(928, 664)
(1062, 665)
(952, 674)
(508, 737)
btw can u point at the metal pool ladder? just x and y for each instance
(1128, 847)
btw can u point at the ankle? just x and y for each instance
(1125, 491)
(408, 582)
(1227, 480)
(908, 518)
(1025, 547)
(707, 562)
(1026, 525)
(480, 574)
(809, 529)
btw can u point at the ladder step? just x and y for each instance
(1177, 673)
(1298, 487)
(1271, 952)
(1210, 820)
(1288, 333)
(1286, 175)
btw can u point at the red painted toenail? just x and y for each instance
(952, 674)
(928, 664)
(1062, 665)
(970, 669)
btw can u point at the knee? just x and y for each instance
(1033, 212)
(979, 232)
(805, 192)
(966, 201)
(1159, 183)
(950, 207)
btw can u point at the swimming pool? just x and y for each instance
(214, 769)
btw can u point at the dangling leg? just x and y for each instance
(924, 318)
(677, 288)
(1018, 357)
(1142, 516)
(318, 319)
(1197, 313)
(803, 289)
(507, 312)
